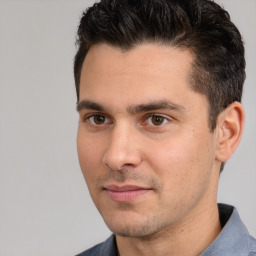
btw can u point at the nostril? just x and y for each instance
(121, 162)
(126, 167)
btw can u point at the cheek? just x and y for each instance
(89, 153)
(182, 160)
(173, 152)
(184, 169)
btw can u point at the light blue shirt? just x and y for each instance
(233, 240)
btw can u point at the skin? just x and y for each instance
(142, 125)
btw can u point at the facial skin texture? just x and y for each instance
(171, 158)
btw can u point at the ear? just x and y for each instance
(230, 128)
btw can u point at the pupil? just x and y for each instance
(157, 120)
(99, 119)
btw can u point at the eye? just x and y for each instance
(156, 120)
(97, 119)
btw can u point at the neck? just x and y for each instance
(190, 237)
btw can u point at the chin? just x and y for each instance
(134, 227)
(131, 232)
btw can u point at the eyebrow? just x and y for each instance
(156, 105)
(133, 110)
(87, 104)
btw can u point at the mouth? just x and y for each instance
(125, 193)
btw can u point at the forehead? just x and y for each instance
(147, 72)
(146, 59)
(147, 56)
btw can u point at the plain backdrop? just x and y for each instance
(45, 208)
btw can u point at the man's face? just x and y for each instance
(144, 143)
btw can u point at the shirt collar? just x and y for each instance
(234, 238)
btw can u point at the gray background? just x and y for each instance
(45, 206)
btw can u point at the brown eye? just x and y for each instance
(156, 120)
(98, 119)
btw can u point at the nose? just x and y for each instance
(123, 149)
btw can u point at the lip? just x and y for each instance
(125, 193)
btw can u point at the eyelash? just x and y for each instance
(163, 117)
(146, 121)
(88, 117)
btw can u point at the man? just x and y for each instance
(159, 85)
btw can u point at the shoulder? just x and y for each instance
(252, 246)
(95, 250)
(107, 248)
